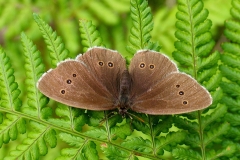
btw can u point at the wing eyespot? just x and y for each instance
(69, 81)
(185, 102)
(110, 64)
(142, 65)
(177, 86)
(181, 93)
(100, 63)
(63, 91)
(74, 75)
(151, 66)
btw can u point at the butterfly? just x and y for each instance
(100, 80)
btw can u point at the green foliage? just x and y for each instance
(231, 70)
(33, 123)
(89, 35)
(9, 88)
(55, 45)
(194, 47)
(142, 25)
(34, 69)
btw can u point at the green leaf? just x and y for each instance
(97, 133)
(169, 142)
(213, 135)
(186, 154)
(54, 43)
(11, 127)
(138, 144)
(34, 145)
(89, 35)
(142, 25)
(69, 117)
(114, 153)
(81, 149)
(229, 148)
(9, 91)
(218, 113)
(121, 131)
(194, 39)
(34, 69)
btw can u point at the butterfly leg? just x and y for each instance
(108, 116)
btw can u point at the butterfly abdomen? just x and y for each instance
(125, 84)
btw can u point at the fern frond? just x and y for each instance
(54, 43)
(142, 25)
(231, 101)
(229, 148)
(138, 144)
(9, 91)
(34, 69)
(186, 154)
(69, 117)
(184, 124)
(80, 148)
(233, 119)
(89, 35)
(193, 53)
(214, 134)
(121, 131)
(112, 152)
(36, 144)
(194, 39)
(218, 113)
(230, 70)
(10, 127)
(169, 142)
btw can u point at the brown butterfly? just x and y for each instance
(99, 80)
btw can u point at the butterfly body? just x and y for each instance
(100, 80)
(123, 103)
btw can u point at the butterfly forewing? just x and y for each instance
(146, 69)
(106, 65)
(73, 84)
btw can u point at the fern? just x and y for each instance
(35, 144)
(11, 124)
(34, 69)
(194, 55)
(89, 34)
(206, 134)
(142, 26)
(56, 47)
(230, 70)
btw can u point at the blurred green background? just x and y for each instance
(112, 18)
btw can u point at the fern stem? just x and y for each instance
(75, 157)
(152, 136)
(107, 127)
(75, 133)
(193, 44)
(202, 146)
(140, 24)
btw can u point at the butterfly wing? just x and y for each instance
(170, 93)
(147, 68)
(107, 65)
(77, 84)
